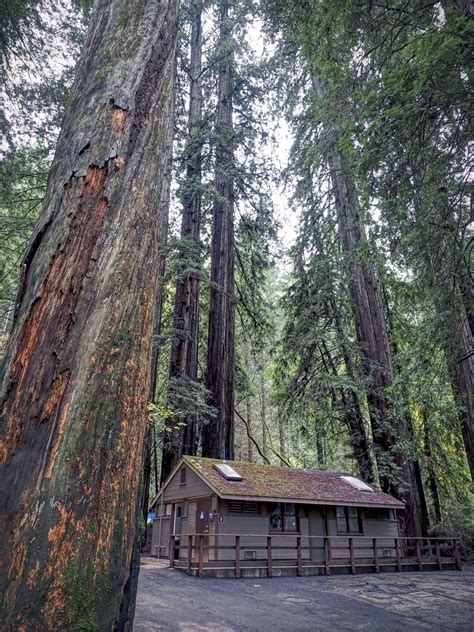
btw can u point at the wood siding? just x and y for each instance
(193, 487)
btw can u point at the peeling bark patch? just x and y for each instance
(147, 89)
(119, 116)
(34, 367)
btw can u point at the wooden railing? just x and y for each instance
(335, 552)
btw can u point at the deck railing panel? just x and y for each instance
(333, 552)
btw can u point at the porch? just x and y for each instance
(258, 555)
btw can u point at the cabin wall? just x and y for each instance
(258, 524)
(178, 493)
(193, 487)
(160, 537)
(384, 530)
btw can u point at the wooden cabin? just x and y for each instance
(234, 518)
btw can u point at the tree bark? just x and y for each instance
(249, 429)
(372, 335)
(459, 353)
(218, 434)
(353, 411)
(76, 378)
(150, 449)
(431, 472)
(263, 414)
(184, 350)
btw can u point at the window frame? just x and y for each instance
(347, 520)
(283, 518)
(182, 476)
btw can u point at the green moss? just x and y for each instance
(84, 592)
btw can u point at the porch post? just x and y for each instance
(237, 555)
(376, 555)
(298, 555)
(269, 557)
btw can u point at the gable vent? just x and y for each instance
(251, 507)
(235, 506)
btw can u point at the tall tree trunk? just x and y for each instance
(218, 434)
(76, 379)
(263, 415)
(371, 331)
(281, 435)
(431, 472)
(459, 353)
(417, 520)
(353, 415)
(150, 449)
(249, 429)
(184, 350)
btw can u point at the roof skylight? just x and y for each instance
(227, 472)
(357, 484)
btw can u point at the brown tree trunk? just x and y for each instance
(459, 354)
(263, 414)
(372, 334)
(184, 351)
(76, 380)
(431, 472)
(281, 435)
(150, 448)
(353, 415)
(218, 434)
(249, 429)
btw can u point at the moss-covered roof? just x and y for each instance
(273, 482)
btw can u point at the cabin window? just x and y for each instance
(348, 520)
(183, 476)
(283, 517)
(168, 509)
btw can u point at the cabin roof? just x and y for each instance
(270, 482)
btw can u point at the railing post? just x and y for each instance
(457, 556)
(201, 555)
(376, 555)
(351, 553)
(190, 553)
(327, 550)
(397, 553)
(418, 554)
(438, 555)
(298, 555)
(237, 555)
(269, 557)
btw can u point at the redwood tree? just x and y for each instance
(218, 434)
(184, 351)
(76, 377)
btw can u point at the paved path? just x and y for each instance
(169, 600)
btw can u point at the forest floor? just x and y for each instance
(170, 600)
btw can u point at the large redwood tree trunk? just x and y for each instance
(372, 335)
(76, 379)
(182, 438)
(218, 434)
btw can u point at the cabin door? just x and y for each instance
(203, 507)
(178, 511)
(317, 527)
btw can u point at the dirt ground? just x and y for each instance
(170, 600)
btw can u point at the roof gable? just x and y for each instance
(273, 482)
